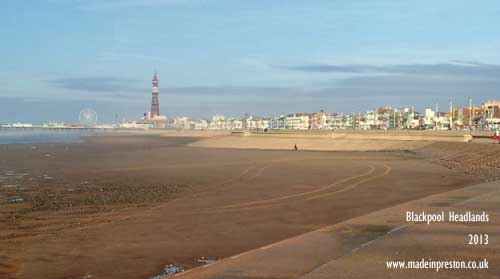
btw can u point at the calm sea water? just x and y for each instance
(22, 135)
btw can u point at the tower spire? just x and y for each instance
(155, 76)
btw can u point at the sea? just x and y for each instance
(42, 135)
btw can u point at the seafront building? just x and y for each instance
(255, 123)
(491, 111)
(277, 123)
(298, 121)
(320, 120)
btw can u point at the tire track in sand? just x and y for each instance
(326, 187)
(278, 200)
(387, 170)
(241, 177)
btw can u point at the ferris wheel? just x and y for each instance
(87, 117)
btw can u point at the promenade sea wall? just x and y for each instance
(333, 141)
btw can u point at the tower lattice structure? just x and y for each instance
(155, 105)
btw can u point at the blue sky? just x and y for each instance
(235, 57)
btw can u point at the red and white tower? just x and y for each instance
(155, 105)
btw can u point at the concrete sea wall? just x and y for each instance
(333, 141)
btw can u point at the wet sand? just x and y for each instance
(123, 206)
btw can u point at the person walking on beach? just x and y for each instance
(295, 148)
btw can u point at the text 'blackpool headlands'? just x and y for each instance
(452, 216)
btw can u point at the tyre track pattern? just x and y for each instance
(348, 183)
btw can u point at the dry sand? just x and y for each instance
(121, 207)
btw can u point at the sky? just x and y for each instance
(58, 57)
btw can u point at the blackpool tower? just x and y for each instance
(155, 105)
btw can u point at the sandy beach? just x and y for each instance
(123, 206)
